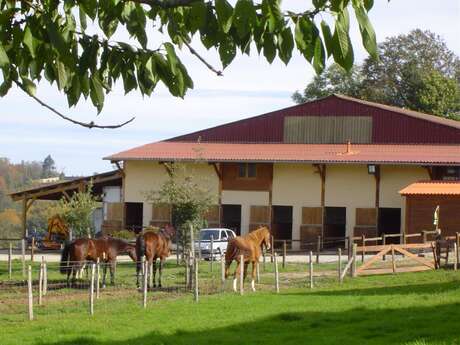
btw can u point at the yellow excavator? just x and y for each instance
(57, 233)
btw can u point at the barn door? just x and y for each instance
(212, 217)
(161, 215)
(366, 222)
(259, 216)
(311, 226)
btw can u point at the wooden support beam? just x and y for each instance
(24, 217)
(167, 166)
(321, 170)
(218, 170)
(377, 196)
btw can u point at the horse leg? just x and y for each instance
(236, 274)
(154, 272)
(253, 275)
(159, 271)
(112, 272)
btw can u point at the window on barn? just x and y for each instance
(247, 170)
(446, 173)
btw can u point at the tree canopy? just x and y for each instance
(74, 44)
(415, 71)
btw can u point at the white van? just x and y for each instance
(220, 237)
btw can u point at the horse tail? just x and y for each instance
(140, 250)
(64, 266)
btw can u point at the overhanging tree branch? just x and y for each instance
(83, 124)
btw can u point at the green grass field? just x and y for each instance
(413, 308)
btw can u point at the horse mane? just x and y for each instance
(255, 234)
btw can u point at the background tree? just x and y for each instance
(48, 167)
(415, 71)
(54, 40)
(185, 191)
(77, 212)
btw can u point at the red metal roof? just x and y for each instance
(314, 153)
(432, 188)
(390, 125)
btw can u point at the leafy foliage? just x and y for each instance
(187, 194)
(70, 44)
(415, 71)
(77, 212)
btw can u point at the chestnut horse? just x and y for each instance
(154, 245)
(105, 249)
(249, 245)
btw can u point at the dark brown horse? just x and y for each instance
(154, 245)
(105, 249)
(249, 245)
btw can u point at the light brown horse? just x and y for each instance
(154, 245)
(249, 245)
(105, 249)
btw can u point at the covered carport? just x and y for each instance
(65, 189)
(422, 198)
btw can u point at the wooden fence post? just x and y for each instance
(177, 247)
(353, 265)
(363, 241)
(196, 262)
(311, 270)
(457, 241)
(23, 257)
(393, 263)
(384, 241)
(339, 268)
(257, 272)
(455, 256)
(284, 253)
(350, 247)
(29, 293)
(91, 290)
(10, 264)
(32, 247)
(263, 259)
(45, 277)
(150, 273)
(277, 275)
(40, 284)
(211, 260)
(192, 242)
(98, 278)
(318, 249)
(145, 283)
(187, 271)
(199, 246)
(241, 274)
(222, 271)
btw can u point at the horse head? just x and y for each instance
(266, 237)
(131, 250)
(168, 231)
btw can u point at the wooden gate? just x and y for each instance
(425, 264)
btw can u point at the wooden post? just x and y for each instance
(241, 274)
(318, 249)
(45, 277)
(211, 260)
(98, 278)
(257, 272)
(150, 273)
(263, 259)
(393, 263)
(32, 247)
(311, 270)
(363, 241)
(192, 242)
(195, 261)
(10, 267)
(177, 248)
(91, 290)
(187, 272)
(384, 242)
(199, 247)
(350, 247)
(29, 292)
(284, 253)
(353, 265)
(144, 285)
(457, 242)
(277, 275)
(272, 247)
(424, 237)
(40, 284)
(339, 268)
(455, 256)
(222, 271)
(23, 257)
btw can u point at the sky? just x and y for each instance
(250, 86)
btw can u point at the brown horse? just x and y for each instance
(154, 246)
(249, 245)
(105, 249)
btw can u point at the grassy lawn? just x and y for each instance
(413, 308)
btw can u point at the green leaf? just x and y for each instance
(4, 87)
(305, 35)
(129, 79)
(62, 77)
(224, 15)
(171, 57)
(327, 35)
(368, 4)
(245, 17)
(272, 13)
(197, 16)
(285, 45)
(4, 60)
(367, 31)
(269, 47)
(96, 93)
(319, 59)
(227, 51)
(341, 37)
(82, 16)
(56, 38)
(29, 41)
(90, 8)
(29, 86)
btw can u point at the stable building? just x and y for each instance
(332, 167)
